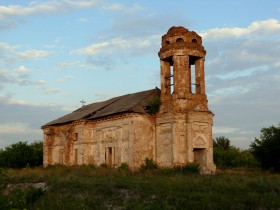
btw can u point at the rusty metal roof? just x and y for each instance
(135, 103)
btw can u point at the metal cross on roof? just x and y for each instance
(83, 102)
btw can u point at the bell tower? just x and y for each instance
(184, 122)
(182, 70)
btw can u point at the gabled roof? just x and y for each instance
(135, 103)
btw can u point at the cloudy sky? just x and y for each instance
(54, 53)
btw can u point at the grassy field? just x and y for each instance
(104, 188)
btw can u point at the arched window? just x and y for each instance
(180, 40)
(194, 41)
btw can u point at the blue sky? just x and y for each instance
(53, 54)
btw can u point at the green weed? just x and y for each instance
(149, 164)
(108, 188)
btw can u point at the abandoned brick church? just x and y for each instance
(126, 129)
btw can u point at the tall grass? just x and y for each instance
(88, 187)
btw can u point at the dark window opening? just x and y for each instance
(180, 40)
(110, 156)
(167, 42)
(194, 41)
(200, 156)
(76, 137)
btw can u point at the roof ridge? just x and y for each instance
(124, 103)
(103, 107)
(149, 93)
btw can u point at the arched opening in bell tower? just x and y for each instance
(179, 40)
(193, 80)
(196, 71)
(182, 75)
(171, 79)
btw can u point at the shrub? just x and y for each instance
(3, 178)
(33, 194)
(20, 198)
(190, 168)
(103, 165)
(154, 104)
(233, 157)
(168, 171)
(124, 166)
(148, 165)
(92, 166)
(247, 159)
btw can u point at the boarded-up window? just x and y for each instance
(76, 157)
(110, 156)
(61, 156)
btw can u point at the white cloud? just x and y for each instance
(47, 7)
(256, 28)
(238, 64)
(12, 15)
(47, 91)
(40, 82)
(224, 130)
(243, 73)
(51, 91)
(33, 54)
(13, 101)
(114, 45)
(7, 47)
(11, 54)
(17, 128)
(69, 65)
(17, 76)
(120, 7)
(82, 4)
(82, 20)
(113, 53)
(7, 52)
(65, 78)
(229, 91)
(22, 69)
(21, 121)
(93, 49)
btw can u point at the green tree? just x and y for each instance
(21, 154)
(222, 142)
(37, 148)
(228, 156)
(267, 148)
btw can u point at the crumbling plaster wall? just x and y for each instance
(183, 138)
(128, 138)
(199, 135)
